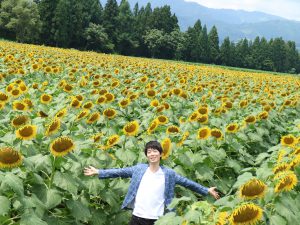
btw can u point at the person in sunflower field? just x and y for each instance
(151, 187)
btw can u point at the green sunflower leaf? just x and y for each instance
(4, 206)
(79, 210)
(66, 182)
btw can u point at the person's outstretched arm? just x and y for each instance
(183, 181)
(109, 173)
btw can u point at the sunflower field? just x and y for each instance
(63, 110)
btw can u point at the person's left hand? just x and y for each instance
(213, 192)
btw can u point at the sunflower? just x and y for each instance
(152, 126)
(217, 111)
(144, 79)
(194, 116)
(267, 108)
(18, 105)
(101, 100)
(250, 119)
(281, 154)
(131, 128)
(246, 214)
(109, 97)
(297, 151)
(133, 96)
(166, 105)
(203, 133)
(154, 103)
(253, 189)
(203, 119)
(160, 108)
(20, 120)
(112, 140)
(177, 91)
(182, 120)
(167, 147)
(75, 103)
(217, 133)
(2, 105)
(288, 140)
(79, 97)
(93, 118)
(35, 66)
(150, 93)
(228, 105)
(16, 92)
(3, 97)
(202, 110)
(61, 146)
(28, 102)
(83, 113)
(88, 105)
(35, 86)
(23, 87)
(232, 128)
(295, 162)
(184, 137)
(68, 88)
(287, 102)
(281, 167)
(45, 98)
(162, 119)
(102, 91)
(21, 71)
(110, 113)
(96, 83)
(10, 87)
(173, 129)
(285, 181)
(97, 137)
(115, 83)
(164, 95)
(9, 158)
(42, 114)
(47, 69)
(124, 102)
(53, 127)
(243, 103)
(62, 83)
(222, 218)
(263, 115)
(45, 83)
(61, 113)
(26, 132)
(184, 95)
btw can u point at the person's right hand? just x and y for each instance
(90, 171)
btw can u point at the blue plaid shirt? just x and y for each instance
(136, 173)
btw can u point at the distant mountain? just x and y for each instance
(236, 24)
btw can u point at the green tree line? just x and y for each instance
(138, 31)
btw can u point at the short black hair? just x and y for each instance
(155, 145)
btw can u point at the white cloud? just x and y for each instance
(285, 8)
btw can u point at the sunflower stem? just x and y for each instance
(123, 146)
(21, 142)
(52, 173)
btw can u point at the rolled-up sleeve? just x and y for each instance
(183, 181)
(116, 172)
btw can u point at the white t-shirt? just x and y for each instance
(149, 200)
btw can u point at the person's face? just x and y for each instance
(153, 155)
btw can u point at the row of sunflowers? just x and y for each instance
(265, 194)
(61, 110)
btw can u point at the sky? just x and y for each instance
(285, 8)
